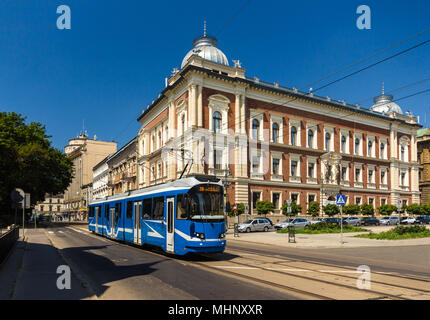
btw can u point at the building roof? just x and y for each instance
(423, 132)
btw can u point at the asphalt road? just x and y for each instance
(406, 260)
(112, 270)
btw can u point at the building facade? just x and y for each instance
(53, 205)
(100, 183)
(269, 142)
(423, 138)
(85, 154)
(122, 168)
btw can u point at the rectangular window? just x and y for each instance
(294, 197)
(90, 214)
(275, 199)
(357, 175)
(181, 213)
(255, 199)
(147, 208)
(371, 201)
(311, 170)
(117, 213)
(358, 200)
(275, 166)
(218, 159)
(383, 202)
(311, 198)
(344, 169)
(106, 211)
(255, 164)
(293, 168)
(158, 208)
(129, 210)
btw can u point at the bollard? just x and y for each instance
(291, 234)
(236, 230)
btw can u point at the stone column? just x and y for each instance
(237, 113)
(242, 116)
(200, 106)
(192, 105)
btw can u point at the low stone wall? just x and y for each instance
(7, 240)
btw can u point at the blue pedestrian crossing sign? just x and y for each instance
(340, 200)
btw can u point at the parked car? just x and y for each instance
(268, 220)
(317, 220)
(331, 220)
(408, 220)
(389, 221)
(370, 221)
(255, 225)
(352, 221)
(423, 220)
(298, 223)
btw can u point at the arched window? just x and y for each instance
(275, 132)
(343, 144)
(357, 146)
(293, 136)
(217, 120)
(327, 141)
(310, 138)
(255, 129)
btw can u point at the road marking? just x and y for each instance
(50, 231)
(244, 268)
(286, 269)
(60, 231)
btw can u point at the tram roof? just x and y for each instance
(184, 183)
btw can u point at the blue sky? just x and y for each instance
(113, 61)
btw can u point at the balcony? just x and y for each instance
(383, 186)
(371, 185)
(358, 184)
(257, 176)
(295, 179)
(311, 180)
(345, 183)
(277, 177)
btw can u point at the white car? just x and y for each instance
(409, 220)
(298, 223)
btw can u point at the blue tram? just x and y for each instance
(183, 216)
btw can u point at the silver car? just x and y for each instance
(298, 223)
(389, 221)
(255, 225)
(352, 221)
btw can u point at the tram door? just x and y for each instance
(96, 214)
(112, 222)
(137, 226)
(170, 234)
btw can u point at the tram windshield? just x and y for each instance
(206, 202)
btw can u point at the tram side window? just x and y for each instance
(91, 213)
(181, 213)
(158, 208)
(147, 208)
(129, 209)
(99, 211)
(106, 211)
(117, 213)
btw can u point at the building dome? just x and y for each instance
(206, 47)
(384, 104)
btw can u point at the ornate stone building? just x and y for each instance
(423, 138)
(274, 143)
(123, 169)
(85, 154)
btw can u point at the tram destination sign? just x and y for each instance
(210, 189)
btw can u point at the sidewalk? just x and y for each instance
(320, 241)
(30, 272)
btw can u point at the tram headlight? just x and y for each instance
(222, 235)
(199, 235)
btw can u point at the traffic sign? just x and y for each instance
(340, 200)
(289, 202)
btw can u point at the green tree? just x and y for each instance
(425, 209)
(351, 209)
(295, 209)
(387, 209)
(367, 209)
(314, 209)
(240, 210)
(414, 209)
(29, 162)
(264, 207)
(331, 210)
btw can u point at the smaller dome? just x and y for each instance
(206, 47)
(384, 104)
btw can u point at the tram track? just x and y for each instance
(251, 272)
